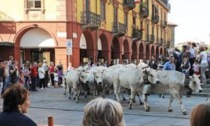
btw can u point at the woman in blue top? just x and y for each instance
(170, 65)
(16, 102)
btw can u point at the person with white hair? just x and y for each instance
(103, 112)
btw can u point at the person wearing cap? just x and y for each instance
(170, 65)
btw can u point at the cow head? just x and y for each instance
(195, 84)
(98, 78)
(152, 75)
(83, 76)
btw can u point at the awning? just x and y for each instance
(10, 44)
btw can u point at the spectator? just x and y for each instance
(185, 66)
(15, 104)
(192, 57)
(2, 74)
(153, 63)
(60, 73)
(34, 74)
(52, 68)
(161, 62)
(200, 115)
(203, 64)
(208, 59)
(41, 73)
(196, 67)
(13, 73)
(103, 112)
(6, 79)
(22, 79)
(70, 66)
(170, 64)
(55, 78)
(26, 74)
(11, 58)
(46, 69)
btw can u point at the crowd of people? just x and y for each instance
(193, 59)
(30, 75)
(16, 84)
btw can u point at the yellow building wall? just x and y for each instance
(13, 9)
(51, 12)
(107, 24)
(109, 16)
(79, 10)
(16, 10)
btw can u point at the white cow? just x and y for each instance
(94, 78)
(174, 83)
(74, 80)
(129, 78)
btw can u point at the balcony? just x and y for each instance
(129, 4)
(119, 29)
(161, 41)
(164, 23)
(137, 34)
(144, 11)
(90, 20)
(167, 5)
(150, 38)
(168, 44)
(155, 18)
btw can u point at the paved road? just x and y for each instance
(51, 101)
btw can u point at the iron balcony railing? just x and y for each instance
(157, 40)
(167, 5)
(130, 4)
(150, 38)
(164, 23)
(161, 41)
(90, 19)
(137, 34)
(155, 19)
(168, 44)
(144, 12)
(119, 28)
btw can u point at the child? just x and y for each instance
(196, 67)
(55, 78)
(185, 66)
(26, 74)
(22, 79)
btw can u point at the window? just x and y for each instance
(34, 3)
(134, 20)
(126, 18)
(86, 5)
(102, 6)
(115, 14)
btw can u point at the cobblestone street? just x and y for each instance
(52, 102)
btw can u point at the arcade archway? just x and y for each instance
(115, 51)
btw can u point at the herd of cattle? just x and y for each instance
(138, 80)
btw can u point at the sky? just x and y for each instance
(192, 18)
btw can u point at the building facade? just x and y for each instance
(101, 30)
(171, 34)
